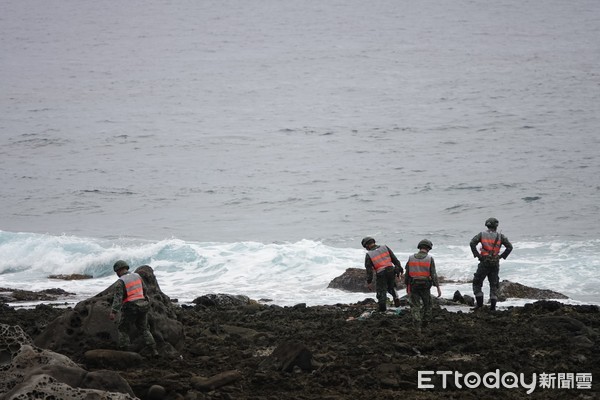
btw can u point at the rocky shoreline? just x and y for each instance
(353, 280)
(231, 347)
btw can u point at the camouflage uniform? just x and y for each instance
(489, 265)
(386, 278)
(132, 313)
(419, 295)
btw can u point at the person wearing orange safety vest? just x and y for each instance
(489, 261)
(130, 299)
(387, 268)
(420, 276)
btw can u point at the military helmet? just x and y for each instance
(366, 241)
(425, 243)
(120, 265)
(491, 222)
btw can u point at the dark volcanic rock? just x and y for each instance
(105, 358)
(222, 300)
(216, 381)
(29, 372)
(242, 350)
(509, 289)
(463, 299)
(71, 277)
(352, 280)
(14, 295)
(289, 355)
(355, 280)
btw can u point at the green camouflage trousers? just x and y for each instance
(385, 283)
(420, 305)
(489, 270)
(134, 314)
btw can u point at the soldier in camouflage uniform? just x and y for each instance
(420, 276)
(382, 260)
(130, 298)
(489, 261)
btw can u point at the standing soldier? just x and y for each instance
(420, 276)
(489, 261)
(382, 260)
(130, 298)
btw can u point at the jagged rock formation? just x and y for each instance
(28, 372)
(87, 326)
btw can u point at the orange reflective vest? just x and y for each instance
(380, 257)
(133, 287)
(490, 243)
(419, 268)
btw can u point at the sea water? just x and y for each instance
(247, 146)
(277, 273)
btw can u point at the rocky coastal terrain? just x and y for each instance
(232, 347)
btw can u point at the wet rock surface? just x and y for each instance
(354, 280)
(70, 277)
(13, 295)
(508, 289)
(255, 351)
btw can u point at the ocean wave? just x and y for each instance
(285, 272)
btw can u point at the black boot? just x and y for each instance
(479, 300)
(493, 304)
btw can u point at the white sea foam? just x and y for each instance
(285, 273)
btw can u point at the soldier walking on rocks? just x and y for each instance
(382, 260)
(420, 276)
(489, 261)
(130, 298)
